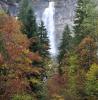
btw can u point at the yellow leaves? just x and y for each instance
(23, 60)
(1, 12)
(1, 58)
(87, 52)
(92, 72)
(27, 60)
(34, 81)
(57, 97)
(92, 81)
(26, 51)
(20, 39)
(18, 59)
(36, 70)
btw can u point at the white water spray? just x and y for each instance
(48, 19)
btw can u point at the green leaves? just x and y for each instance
(84, 20)
(92, 81)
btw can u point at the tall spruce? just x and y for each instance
(44, 41)
(84, 20)
(64, 48)
(30, 28)
(26, 15)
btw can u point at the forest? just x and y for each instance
(27, 69)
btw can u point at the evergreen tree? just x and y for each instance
(64, 48)
(84, 20)
(44, 41)
(30, 28)
(26, 15)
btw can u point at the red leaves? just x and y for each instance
(18, 63)
(87, 51)
(57, 83)
(1, 59)
(34, 56)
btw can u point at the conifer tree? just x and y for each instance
(64, 47)
(84, 20)
(26, 15)
(44, 41)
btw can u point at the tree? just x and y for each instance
(27, 17)
(87, 52)
(43, 47)
(92, 81)
(30, 28)
(16, 66)
(72, 71)
(44, 41)
(64, 48)
(84, 20)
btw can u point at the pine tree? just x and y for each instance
(80, 16)
(26, 15)
(30, 28)
(84, 20)
(64, 48)
(44, 41)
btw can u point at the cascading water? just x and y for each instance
(48, 19)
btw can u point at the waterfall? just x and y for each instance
(48, 19)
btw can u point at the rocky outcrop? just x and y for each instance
(9, 7)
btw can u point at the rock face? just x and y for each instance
(10, 7)
(64, 14)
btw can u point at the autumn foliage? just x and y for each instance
(87, 52)
(16, 60)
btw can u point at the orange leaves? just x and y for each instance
(1, 59)
(15, 57)
(10, 28)
(16, 45)
(57, 83)
(87, 51)
(33, 40)
(46, 46)
(14, 40)
(9, 25)
(34, 56)
(88, 41)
